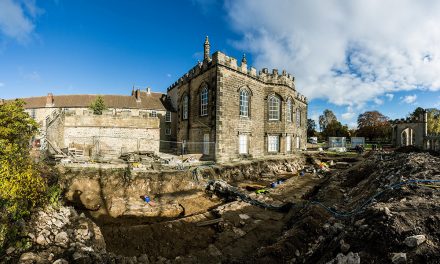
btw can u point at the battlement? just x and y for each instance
(219, 58)
(272, 78)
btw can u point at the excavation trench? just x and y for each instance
(178, 220)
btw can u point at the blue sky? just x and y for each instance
(348, 57)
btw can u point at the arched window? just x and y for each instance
(273, 103)
(289, 111)
(204, 101)
(244, 103)
(298, 117)
(185, 107)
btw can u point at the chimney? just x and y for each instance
(49, 100)
(138, 95)
(148, 90)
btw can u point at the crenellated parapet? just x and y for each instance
(218, 58)
(274, 77)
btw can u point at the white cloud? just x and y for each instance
(378, 101)
(390, 96)
(348, 116)
(348, 52)
(16, 19)
(409, 99)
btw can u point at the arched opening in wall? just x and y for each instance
(408, 137)
(404, 138)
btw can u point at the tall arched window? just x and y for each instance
(289, 111)
(244, 103)
(204, 101)
(298, 117)
(273, 103)
(185, 107)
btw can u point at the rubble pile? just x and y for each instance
(382, 210)
(61, 235)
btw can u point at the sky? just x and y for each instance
(347, 56)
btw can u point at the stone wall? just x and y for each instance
(410, 132)
(223, 123)
(256, 126)
(138, 119)
(193, 129)
(108, 135)
(55, 130)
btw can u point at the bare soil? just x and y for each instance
(366, 210)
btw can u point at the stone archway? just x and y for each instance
(407, 137)
(404, 138)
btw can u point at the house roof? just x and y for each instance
(152, 101)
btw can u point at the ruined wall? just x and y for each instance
(411, 131)
(55, 130)
(111, 134)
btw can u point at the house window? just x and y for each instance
(288, 143)
(298, 117)
(168, 131)
(244, 103)
(204, 102)
(289, 111)
(168, 117)
(153, 114)
(243, 144)
(33, 113)
(272, 143)
(185, 107)
(274, 107)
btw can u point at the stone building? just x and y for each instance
(220, 109)
(142, 121)
(228, 111)
(414, 132)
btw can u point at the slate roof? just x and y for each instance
(152, 101)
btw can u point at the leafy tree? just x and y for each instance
(21, 185)
(374, 125)
(311, 128)
(416, 113)
(433, 121)
(433, 118)
(335, 129)
(326, 118)
(98, 105)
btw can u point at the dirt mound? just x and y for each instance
(368, 214)
(408, 149)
